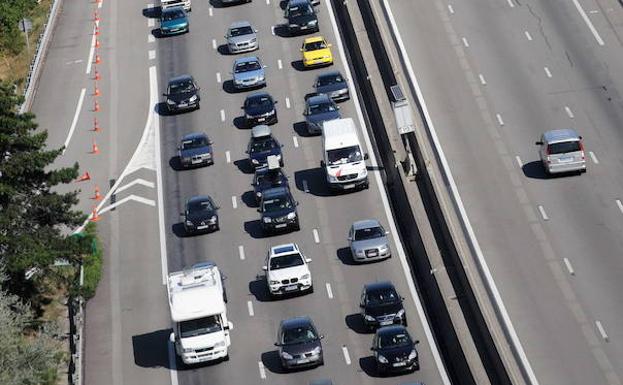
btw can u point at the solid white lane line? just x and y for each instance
(547, 72)
(250, 307)
(519, 162)
(620, 205)
(222, 115)
(543, 213)
(510, 3)
(151, 38)
(306, 188)
(72, 128)
(152, 54)
(451, 9)
(210, 11)
(267, 2)
(228, 156)
(296, 142)
(569, 112)
(218, 77)
(287, 102)
(588, 22)
(262, 370)
(234, 201)
(602, 331)
(528, 36)
(465, 43)
(279, 64)
(316, 236)
(346, 355)
(151, 22)
(241, 252)
(499, 118)
(593, 157)
(329, 291)
(213, 43)
(91, 53)
(482, 80)
(131, 198)
(568, 265)
(172, 363)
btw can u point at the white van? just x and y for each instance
(164, 4)
(343, 158)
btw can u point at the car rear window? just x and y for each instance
(564, 147)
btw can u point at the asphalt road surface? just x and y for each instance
(495, 75)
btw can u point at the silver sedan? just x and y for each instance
(368, 241)
(241, 37)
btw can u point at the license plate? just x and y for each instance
(304, 27)
(183, 105)
(303, 361)
(291, 288)
(398, 364)
(195, 161)
(281, 225)
(202, 227)
(566, 159)
(261, 119)
(385, 323)
(352, 185)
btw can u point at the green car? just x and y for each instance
(173, 21)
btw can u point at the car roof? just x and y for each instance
(246, 59)
(260, 131)
(561, 135)
(171, 9)
(374, 286)
(286, 248)
(316, 99)
(238, 24)
(199, 198)
(313, 39)
(365, 224)
(180, 78)
(194, 135)
(390, 330)
(258, 94)
(330, 74)
(275, 192)
(296, 322)
(297, 2)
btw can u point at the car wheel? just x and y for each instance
(297, 227)
(311, 289)
(281, 163)
(380, 370)
(226, 358)
(217, 227)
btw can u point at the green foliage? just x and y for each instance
(33, 213)
(92, 263)
(11, 12)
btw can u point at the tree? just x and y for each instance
(11, 11)
(34, 215)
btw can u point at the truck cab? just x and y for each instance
(343, 158)
(164, 4)
(197, 302)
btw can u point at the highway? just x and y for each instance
(495, 74)
(127, 323)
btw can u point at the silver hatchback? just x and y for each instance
(241, 37)
(368, 241)
(562, 151)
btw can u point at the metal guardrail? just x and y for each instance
(76, 325)
(40, 49)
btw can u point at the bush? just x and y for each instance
(92, 263)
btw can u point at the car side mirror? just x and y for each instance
(277, 344)
(229, 326)
(265, 268)
(255, 30)
(301, 49)
(276, 101)
(308, 260)
(217, 208)
(386, 232)
(329, 45)
(179, 148)
(322, 336)
(538, 143)
(296, 203)
(416, 342)
(198, 88)
(349, 238)
(322, 164)
(242, 107)
(182, 214)
(361, 305)
(373, 348)
(164, 94)
(246, 151)
(264, 66)
(172, 337)
(365, 156)
(580, 137)
(259, 211)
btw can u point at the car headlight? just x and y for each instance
(273, 282)
(286, 356)
(292, 25)
(254, 40)
(316, 351)
(370, 318)
(413, 354)
(266, 219)
(258, 194)
(171, 102)
(401, 313)
(384, 248)
(360, 252)
(332, 178)
(186, 160)
(248, 116)
(189, 223)
(327, 57)
(220, 344)
(192, 98)
(291, 215)
(213, 219)
(305, 277)
(312, 22)
(364, 172)
(255, 161)
(381, 359)
(188, 350)
(237, 81)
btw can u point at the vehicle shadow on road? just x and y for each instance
(259, 289)
(298, 65)
(248, 197)
(311, 181)
(220, 4)
(244, 166)
(228, 86)
(534, 170)
(368, 365)
(176, 163)
(240, 123)
(223, 49)
(281, 30)
(179, 231)
(355, 323)
(151, 350)
(254, 229)
(152, 13)
(301, 129)
(272, 362)
(346, 256)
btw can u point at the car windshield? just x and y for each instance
(277, 204)
(247, 66)
(329, 79)
(271, 177)
(315, 45)
(285, 261)
(381, 296)
(240, 31)
(564, 147)
(201, 141)
(321, 108)
(344, 155)
(299, 335)
(172, 15)
(197, 206)
(261, 101)
(369, 233)
(302, 10)
(263, 145)
(199, 326)
(394, 340)
(181, 87)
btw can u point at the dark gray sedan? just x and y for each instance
(332, 84)
(299, 343)
(200, 215)
(368, 241)
(195, 150)
(319, 109)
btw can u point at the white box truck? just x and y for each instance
(343, 158)
(164, 4)
(197, 302)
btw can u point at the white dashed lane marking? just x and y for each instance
(482, 80)
(601, 330)
(287, 102)
(272, 30)
(510, 3)
(222, 115)
(528, 36)
(519, 162)
(234, 201)
(346, 355)
(593, 157)
(151, 38)
(548, 73)
(262, 370)
(250, 308)
(619, 205)
(499, 118)
(568, 266)
(151, 22)
(241, 252)
(465, 43)
(213, 43)
(296, 142)
(152, 54)
(210, 11)
(329, 291)
(316, 236)
(569, 112)
(451, 9)
(228, 156)
(543, 213)
(279, 64)
(218, 77)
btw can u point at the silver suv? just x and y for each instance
(562, 151)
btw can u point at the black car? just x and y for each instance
(394, 350)
(334, 85)
(319, 109)
(182, 94)
(195, 150)
(262, 145)
(259, 108)
(301, 17)
(299, 343)
(278, 210)
(266, 178)
(381, 305)
(200, 215)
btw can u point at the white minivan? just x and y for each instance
(343, 157)
(562, 151)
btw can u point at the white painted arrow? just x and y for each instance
(135, 198)
(135, 182)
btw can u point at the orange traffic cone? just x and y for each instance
(96, 106)
(96, 75)
(97, 196)
(96, 16)
(94, 149)
(96, 126)
(98, 59)
(97, 29)
(94, 215)
(84, 177)
(98, 1)
(97, 43)
(96, 91)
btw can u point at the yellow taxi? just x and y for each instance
(316, 52)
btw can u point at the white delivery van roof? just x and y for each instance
(196, 292)
(339, 133)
